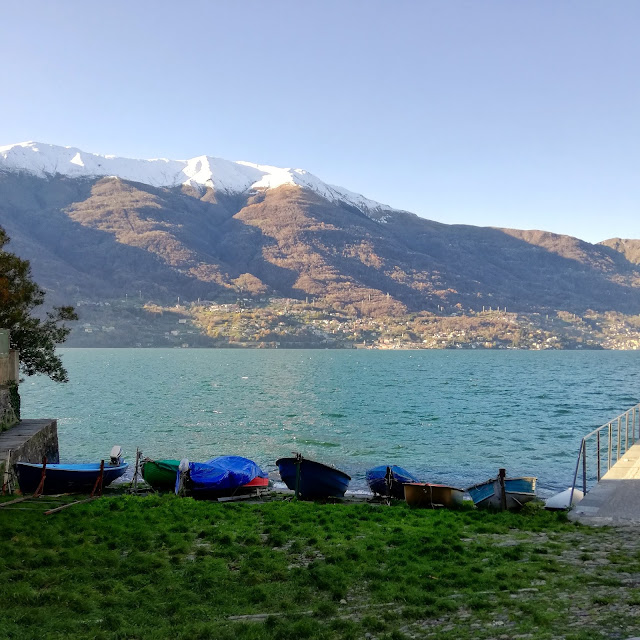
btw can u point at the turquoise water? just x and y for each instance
(448, 416)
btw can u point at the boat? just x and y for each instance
(160, 474)
(221, 477)
(312, 480)
(517, 491)
(564, 500)
(69, 478)
(426, 494)
(387, 481)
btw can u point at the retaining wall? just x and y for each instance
(29, 441)
(8, 417)
(9, 367)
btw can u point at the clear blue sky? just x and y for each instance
(501, 113)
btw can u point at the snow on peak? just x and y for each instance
(221, 175)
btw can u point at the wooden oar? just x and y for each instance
(64, 506)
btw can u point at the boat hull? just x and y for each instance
(66, 478)
(424, 494)
(253, 487)
(317, 480)
(160, 474)
(377, 481)
(518, 491)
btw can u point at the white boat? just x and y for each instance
(561, 500)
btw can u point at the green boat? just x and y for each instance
(160, 474)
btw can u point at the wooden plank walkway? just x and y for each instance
(615, 500)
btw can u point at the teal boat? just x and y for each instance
(517, 491)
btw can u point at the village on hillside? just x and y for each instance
(289, 323)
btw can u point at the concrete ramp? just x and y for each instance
(615, 500)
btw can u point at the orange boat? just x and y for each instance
(425, 494)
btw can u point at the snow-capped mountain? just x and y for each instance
(202, 171)
(93, 238)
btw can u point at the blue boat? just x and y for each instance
(389, 481)
(66, 478)
(518, 491)
(221, 477)
(312, 480)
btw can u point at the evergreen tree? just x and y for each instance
(35, 338)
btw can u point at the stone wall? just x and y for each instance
(9, 376)
(8, 417)
(29, 441)
(41, 441)
(9, 367)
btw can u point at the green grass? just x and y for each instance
(163, 567)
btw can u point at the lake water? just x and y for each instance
(449, 416)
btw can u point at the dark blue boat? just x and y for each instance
(315, 480)
(389, 480)
(222, 477)
(66, 478)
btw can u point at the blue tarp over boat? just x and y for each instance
(377, 480)
(223, 474)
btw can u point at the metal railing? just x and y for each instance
(618, 433)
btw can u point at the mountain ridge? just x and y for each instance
(99, 237)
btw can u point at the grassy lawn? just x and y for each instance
(161, 567)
